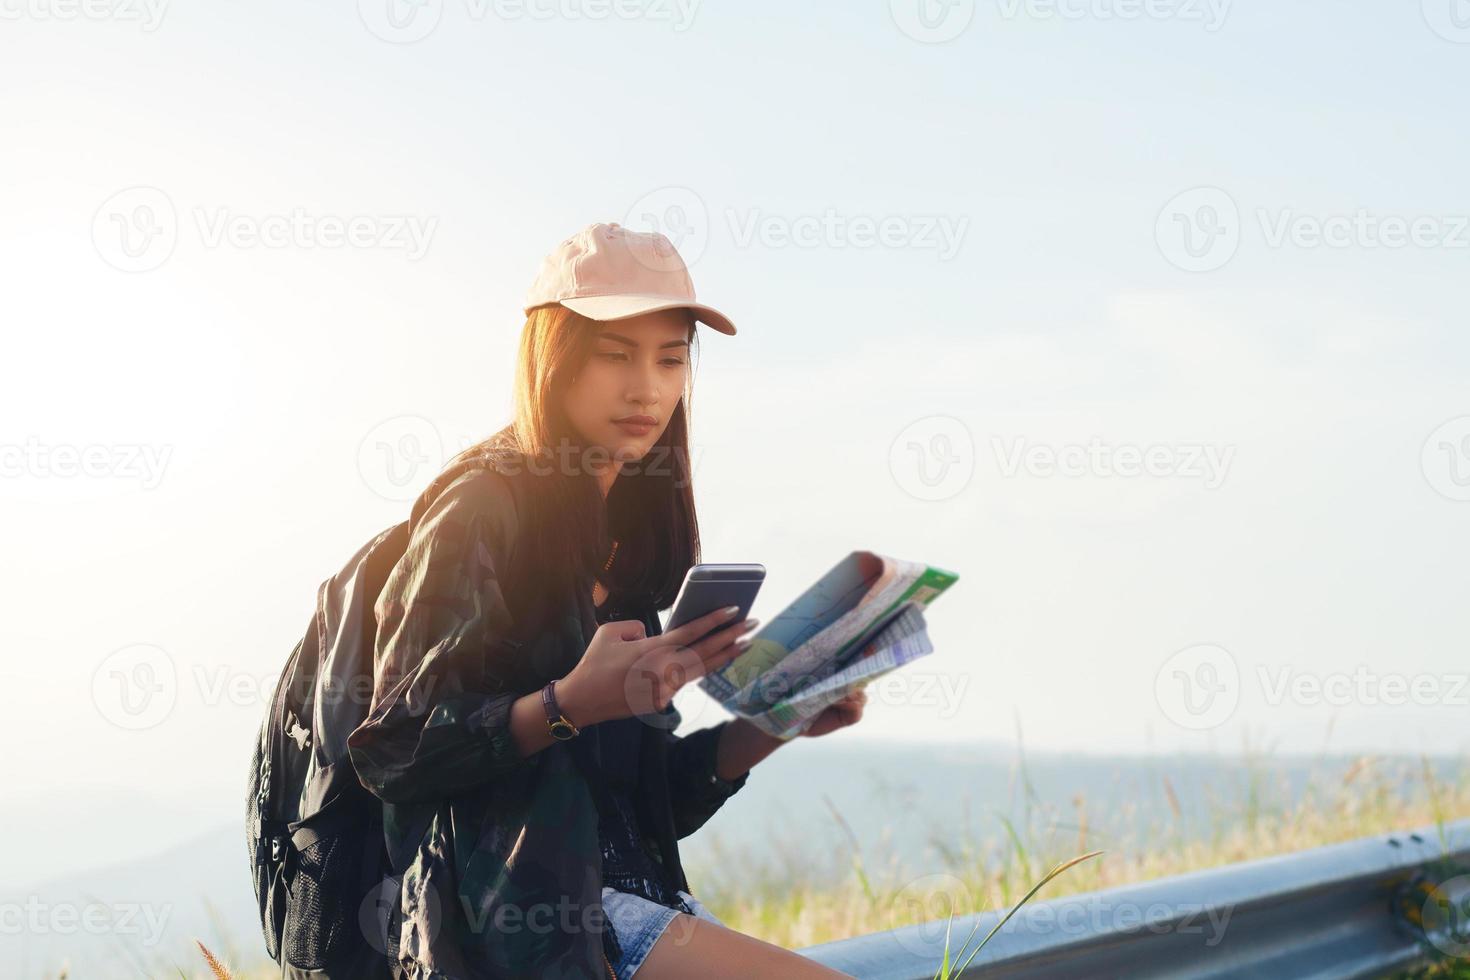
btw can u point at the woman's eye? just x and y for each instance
(673, 361)
(612, 355)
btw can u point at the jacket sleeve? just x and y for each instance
(439, 721)
(695, 790)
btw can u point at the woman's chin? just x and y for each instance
(629, 449)
(632, 450)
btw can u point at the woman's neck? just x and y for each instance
(606, 477)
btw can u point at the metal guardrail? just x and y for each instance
(1330, 913)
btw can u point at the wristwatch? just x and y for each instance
(561, 727)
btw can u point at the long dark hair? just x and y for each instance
(641, 543)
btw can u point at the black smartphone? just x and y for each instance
(710, 587)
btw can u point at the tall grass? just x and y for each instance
(794, 897)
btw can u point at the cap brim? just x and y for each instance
(623, 306)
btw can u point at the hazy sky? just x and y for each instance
(1149, 320)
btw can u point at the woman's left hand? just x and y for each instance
(840, 714)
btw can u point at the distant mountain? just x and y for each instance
(139, 917)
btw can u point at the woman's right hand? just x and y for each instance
(626, 672)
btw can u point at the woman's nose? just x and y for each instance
(643, 386)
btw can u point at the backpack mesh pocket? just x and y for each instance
(320, 921)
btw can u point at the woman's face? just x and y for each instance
(623, 396)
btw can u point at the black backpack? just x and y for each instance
(314, 833)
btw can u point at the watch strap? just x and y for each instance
(560, 726)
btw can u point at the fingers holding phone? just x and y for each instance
(626, 673)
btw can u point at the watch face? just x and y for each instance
(562, 730)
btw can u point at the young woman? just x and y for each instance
(521, 736)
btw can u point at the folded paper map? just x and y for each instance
(860, 620)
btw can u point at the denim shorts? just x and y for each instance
(638, 922)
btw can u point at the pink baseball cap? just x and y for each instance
(608, 272)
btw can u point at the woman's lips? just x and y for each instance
(636, 428)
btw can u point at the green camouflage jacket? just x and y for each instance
(496, 857)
